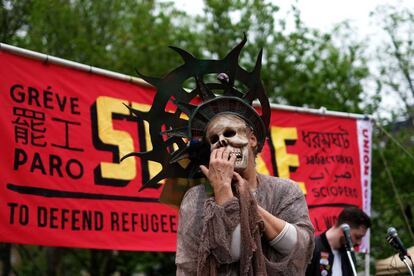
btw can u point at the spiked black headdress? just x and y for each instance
(173, 136)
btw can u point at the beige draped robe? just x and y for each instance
(282, 198)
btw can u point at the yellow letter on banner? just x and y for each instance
(126, 170)
(284, 160)
(261, 166)
(153, 167)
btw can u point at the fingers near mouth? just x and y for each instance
(237, 153)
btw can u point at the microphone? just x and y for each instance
(347, 235)
(349, 246)
(393, 239)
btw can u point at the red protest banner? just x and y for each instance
(328, 156)
(64, 131)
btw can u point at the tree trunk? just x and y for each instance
(5, 255)
(54, 260)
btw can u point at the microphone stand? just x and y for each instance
(348, 253)
(404, 260)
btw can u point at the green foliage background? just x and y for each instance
(301, 67)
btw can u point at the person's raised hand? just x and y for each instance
(220, 173)
(240, 182)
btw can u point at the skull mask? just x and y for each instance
(230, 131)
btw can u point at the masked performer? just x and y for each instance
(239, 222)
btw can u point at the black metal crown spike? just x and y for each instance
(175, 137)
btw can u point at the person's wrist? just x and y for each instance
(222, 195)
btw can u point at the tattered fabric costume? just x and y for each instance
(205, 228)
